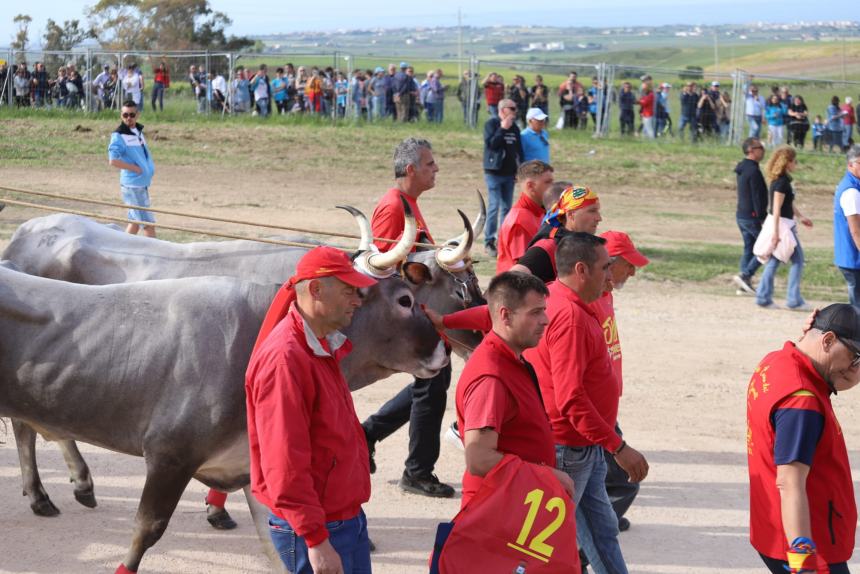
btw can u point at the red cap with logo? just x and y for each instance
(319, 262)
(620, 244)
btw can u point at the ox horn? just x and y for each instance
(389, 259)
(478, 226)
(453, 255)
(363, 225)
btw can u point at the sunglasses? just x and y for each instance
(856, 360)
(129, 115)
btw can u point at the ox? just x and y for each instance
(80, 250)
(176, 399)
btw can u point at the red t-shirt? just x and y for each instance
(647, 104)
(848, 119)
(497, 391)
(580, 390)
(494, 92)
(388, 219)
(604, 310)
(517, 230)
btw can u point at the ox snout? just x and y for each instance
(431, 366)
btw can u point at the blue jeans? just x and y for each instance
(846, 134)
(133, 195)
(377, 107)
(493, 110)
(852, 278)
(755, 126)
(158, 95)
(438, 111)
(262, 106)
(349, 538)
(750, 228)
(596, 522)
(500, 189)
(764, 293)
(690, 124)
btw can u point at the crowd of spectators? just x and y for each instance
(397, 93)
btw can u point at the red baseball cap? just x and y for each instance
(619, 243)
(329, 262)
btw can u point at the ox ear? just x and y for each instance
(416, 273)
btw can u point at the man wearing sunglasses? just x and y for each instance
(128, 152)
(803, 514)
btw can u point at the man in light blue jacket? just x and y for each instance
(128, 153)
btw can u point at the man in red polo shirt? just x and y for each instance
(524, 218)
(803, 515)
(580, 392)
(421, 403)
(309, 461)
(499, 405)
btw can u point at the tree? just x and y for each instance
(22, 36)
(62, 38)
(163, 25)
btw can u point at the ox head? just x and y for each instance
(390, 332)
(442, 279)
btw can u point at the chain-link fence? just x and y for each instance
(606, 100)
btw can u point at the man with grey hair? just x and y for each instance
(846, 225)
(422, 402)
(503, 154)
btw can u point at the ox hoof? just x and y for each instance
(44, 508)
(86, 497)
(221, 520)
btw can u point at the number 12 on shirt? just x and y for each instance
(537, 547)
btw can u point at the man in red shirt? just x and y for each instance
(421, 403)
(803, 515)
(494, 92)
(524, 218)
(625, 259)
(580, 392)
(499, 405)
(309, 462)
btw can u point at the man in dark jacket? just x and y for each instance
(751, 211)
(503, 153)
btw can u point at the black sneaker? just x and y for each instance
(426, 486)
(623, 524)
(220, 519)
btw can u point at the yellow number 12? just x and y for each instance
(538, 543)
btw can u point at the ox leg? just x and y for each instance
(79, 473)
(25, 440)
(165, 482)
(260, 515)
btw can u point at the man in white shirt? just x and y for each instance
(846, 225)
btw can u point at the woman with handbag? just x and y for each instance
(782, 207)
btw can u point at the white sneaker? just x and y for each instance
(452, 435)
(772, 306)
(805, 307)
(744, 285)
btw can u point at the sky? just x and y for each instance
(261, 17)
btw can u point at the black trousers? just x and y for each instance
(779, 566)
(621, 491)
(422, 405)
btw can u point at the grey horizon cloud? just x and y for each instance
(259, 17)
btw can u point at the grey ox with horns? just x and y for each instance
(109, 364)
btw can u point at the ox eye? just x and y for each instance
(405, 301)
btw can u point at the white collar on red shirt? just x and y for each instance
(336, 340)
